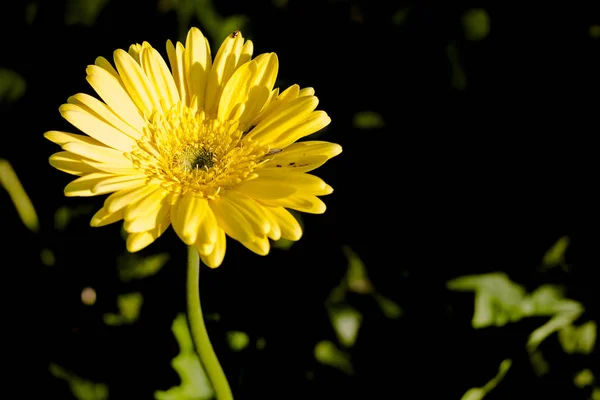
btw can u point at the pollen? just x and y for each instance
(183, 150)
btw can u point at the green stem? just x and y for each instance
(198, 328)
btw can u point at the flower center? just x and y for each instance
(184, 151)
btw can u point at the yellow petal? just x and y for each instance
(83, 185)
(276, 103)
(62, 138)
(204, 249)
(105, 64)
(103, 217)
(275, 231)
(252, 211)
(208, 231)
(290, 228)
(259, 245)
(299, 202)
(314, 122)
(246, 54)
(70, 163)
(303, 156)
(119, 200)
(188, 214)
(307, 91)
(264, 190)
(138, 241)
(160, 77)
(176, 61)
(148, 221)
(306, 183)
(113, 169)
(226, 62)
(251, 85)
(136, 82)
(96, 128)
(197, 63)
(231, 220)
(101, 111)
(215, 258)
(98, 153)
(285, 118)
(146, 205)
(119, 182)
(111, 90)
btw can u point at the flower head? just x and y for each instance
(208, 146)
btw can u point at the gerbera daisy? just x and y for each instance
(208, 146)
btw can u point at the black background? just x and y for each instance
(457, 181)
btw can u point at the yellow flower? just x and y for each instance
(208, 146)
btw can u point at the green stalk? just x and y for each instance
(207, 355)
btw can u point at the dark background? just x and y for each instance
(468, 174)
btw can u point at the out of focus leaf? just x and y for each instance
(10, 182)
(356, 277)
(390, 309)
(497, 299)
(479, 393)
(129, 305)
(595, 394)
(476, 23)
(584, 378)
(459, 78)
(237, 340)
(83, 12)
(30, 12)
(367, 120)
(581, 339)
(328, 354)
(82, 389)
(64, 215)
(47, 257)
(555, 256)
(12, 86)
(595, 31)
(194, 382)
(346, 322)
(538, 363)
(557, 322)
(399, 16)
(131, 266)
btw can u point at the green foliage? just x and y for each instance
(327, 353)
(129, 306)
(555, 256)
(367, 120)
(237, 340)
(479, 393)
(346, 321)
(131, 266)
(194, 382)
(476, 24)
(581, 339)
(82, 389)
(10, 181)
(83, 12)
(12, 86)
(584, 378)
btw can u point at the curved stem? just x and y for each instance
(198, 329)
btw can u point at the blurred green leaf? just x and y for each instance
(12, 86)
(476, 24)
(595, 394)
(328, 354)
(129, 305)
(194, 382)
(581, 339)
(459, 77)
(64, 215)
(131, 266)
(82, 389)
(390, 309)
(555, 256)
(83, 12)
(47, 257)
(584, 378)
(595, 31)
(24, 206)
(479, 393)
(497, 299)
(346, 322)
(261, 343)
(399, 16)
(538, 363)
(30, 12)
(356, 277)
(367, 120)
(557, 322)
(237, 340)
